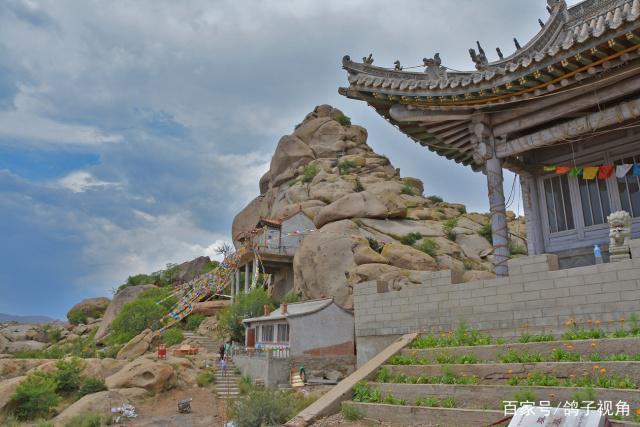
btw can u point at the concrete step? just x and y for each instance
(491, 353)
(438, 417)
(493, 396)
(501, 373)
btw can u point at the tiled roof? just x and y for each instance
(294, 310)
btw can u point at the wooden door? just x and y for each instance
(251, 337)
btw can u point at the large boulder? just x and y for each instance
(24, 332)
(402, 227)
(291, 152)
(247, 219)
(208, 326)
(93, 367)
(323, 262)
(472, 245)
(123, 296)
(98, 403)
(137, 346)
(209, 308)
(354, 205)
(190, 270)
(144, 373)
(90, 307)
(29, 345)
(406, 257)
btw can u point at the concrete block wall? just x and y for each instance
(535, 298)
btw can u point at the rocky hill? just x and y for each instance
(371, 222)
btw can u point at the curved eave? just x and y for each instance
(581, 52)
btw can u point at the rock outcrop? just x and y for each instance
(371, 222)
(137, 346)
(119, 300)
(90, 307)
(143, 373)
(97, 403)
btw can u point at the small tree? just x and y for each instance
(35, 397)
(68, 375)
(246, 305)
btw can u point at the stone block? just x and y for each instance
(608, 297)
(634, 246)
(549, 261)
(539, 285)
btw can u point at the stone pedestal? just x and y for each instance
(619, 253)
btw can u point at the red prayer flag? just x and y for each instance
(561, 170)
(605, 171)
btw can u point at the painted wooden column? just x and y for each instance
(531, 204)
(486, 152)
(246, 277)
(254, 278)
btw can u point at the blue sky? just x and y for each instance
(132, 132)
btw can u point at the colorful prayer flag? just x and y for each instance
(605, 171)
(576, 171)
(561, 170)
(622, 170)
(590, 172)
(549, 168)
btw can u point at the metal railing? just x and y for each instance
(266, 351)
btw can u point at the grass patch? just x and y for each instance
(576, 332)
(516, 248)
(486, 232)
(375, 245)
(435, 199)
(343, 119)
(267, 407)
(351, 413)
(359, 188)
(525, 338)
(205, 378)
(194, 321)
(408, 190)
(447, 377)
(172, 337)
(87, 420)
(515, 356)
(35, 397)
(461, 336)
(598, 380)
(345, 167)
(91, 385)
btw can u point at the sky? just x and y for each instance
(131, 133)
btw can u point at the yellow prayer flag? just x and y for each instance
(590, 172)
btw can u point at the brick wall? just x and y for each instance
(536, 297)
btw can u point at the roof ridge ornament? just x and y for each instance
(434, 68)
(515, 42)
(368, 59)
(480, 58)
(398, 66)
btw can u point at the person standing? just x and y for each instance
(221, 351)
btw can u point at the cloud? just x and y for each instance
(81, 181)
(132, 132)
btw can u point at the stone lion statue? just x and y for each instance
(619, 235)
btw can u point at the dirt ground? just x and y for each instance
(337, 420)
(162, 410)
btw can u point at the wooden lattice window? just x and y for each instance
(267, 333)
(558, 201)
(629, 189)
(594, 198)
(283, 333)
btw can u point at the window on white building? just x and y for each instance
(267, 333)
(283, 333)
(558, 200)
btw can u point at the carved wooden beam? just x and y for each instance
(622, 112)
(401, 113)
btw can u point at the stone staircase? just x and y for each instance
(469, 386)
(227, 384)
(204, 343)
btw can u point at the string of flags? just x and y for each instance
(595, 172)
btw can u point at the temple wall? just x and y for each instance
(537, 297)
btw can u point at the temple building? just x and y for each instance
(267, 257)
(562, 111)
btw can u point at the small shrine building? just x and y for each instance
(562, 111)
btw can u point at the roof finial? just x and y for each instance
(480, 58)
(480, 49)
(549, 10)
(398, 67)
(500, 55)
(433, 67)
(541, 23)
(368, 59)
(515, 41)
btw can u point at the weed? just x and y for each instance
(584, 397)
(359, 187)
(485, 231)
(351, 413)
(343, 119)
(577, 332)
(429, 246)
(345, 167)
(408, 190)
(309, 172)
(449, 402)
(448, 227)
(362, 392)
(390, 400)
(516, 248)
(461, 336)
(35, 397)
(205, 378)
(410, 239)
(375, 245)
(562, 355)
(435, 199)
(428, 401)
(515, 356)
(91, 385)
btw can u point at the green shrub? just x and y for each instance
(87, 420)
(309, 172)
(461, 336)
(448, 227)
(141, 313)
(246, 305)
(291, 297)
(375, 245)
(351, 413)
(362, 392)
(435, 199)
(359, 187)
(462, 210)
(267, 407)
(429, 401)
(410, 239)
(343, 119)
(35, 397)
(408, 190)
(77, 317)
(53, 334)
(193, 322)
(205, 378)
(516, 248)
(345, 167)
(172, 336)
(91, 385)
(485, 231)
(68, 375)
(429, 246)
